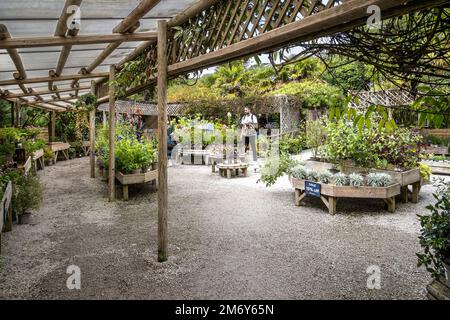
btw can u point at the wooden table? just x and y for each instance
(329, 194)
(226, 169)
(58, 147)
(138, 178)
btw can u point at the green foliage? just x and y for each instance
(48, 154)
(31, 146)
(425, 171)
(315, 135)
(8, 139)
(5, 113)
(435, 232)
(325, 177)
(379, 180)
(434, 107)
(372, 146)
(312, 94)
(355, 180)
(300, 172)
(346, 74)
(275, 166)
(340, 179)
(28, 194)
(292, 143)
(131, 75)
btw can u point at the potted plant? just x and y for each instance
(28, 196)
(435, 234)
(48, 156)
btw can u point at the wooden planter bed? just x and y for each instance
(85, 146)
(26, 166)
(404, 178)
(38, 159)
(438, 167)
(6, 211)
(127, 179)
(329, 194)
(58, 147)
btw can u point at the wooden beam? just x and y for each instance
(92, 134)
(14, 43)
(21, 95)
(190, 12)
(112, 135)
(162, 141)
(17, 113)
(350, 14)
(141, 10)
(55, 79)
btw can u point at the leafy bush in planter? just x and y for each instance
(28, 194)
(435, 233)
(425, 171)
(300, 172)
(340, 179)
(31, 146)
(379, 180)
(356, 180)
(325, 177)
(312, 176)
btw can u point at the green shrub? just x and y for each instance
(356, 180)
(435, 232)
(28, 194)
(379, 180)
(340, 179)
(325, 177)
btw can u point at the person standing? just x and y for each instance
(249, 125)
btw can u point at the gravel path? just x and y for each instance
(228, 239)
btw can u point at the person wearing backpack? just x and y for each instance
(249, 125)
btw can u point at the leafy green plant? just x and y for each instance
(28, 194)
(379, 180)
(325, 177)
(425, 171)
(300, 172)
(356, 180)
(315, 135)
(32, 146)
(275, 166)
(340, 179)
(312, 176)
(435, 232)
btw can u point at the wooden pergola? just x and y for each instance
(40, 49)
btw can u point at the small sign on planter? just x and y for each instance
(312, 188)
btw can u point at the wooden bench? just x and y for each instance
(138, 178)
(329, 194)
(227, 169)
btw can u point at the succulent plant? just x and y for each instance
(325, 177)
(379, 180)
(340, 179)
(356, 180)
(312, 175)
(300, 172)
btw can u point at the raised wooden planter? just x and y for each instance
(438, 167)
(127, 179)
(404, 178)
(437, 290)
(38, 159)
(436, 150)
(227, 169)
(85, 146)
(329, 194)
(26, 167)
(58, 147)
(6, 211)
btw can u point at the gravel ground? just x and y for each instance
(228, 239)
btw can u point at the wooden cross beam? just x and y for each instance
(78, 40)
(21, 95)
(60, 78)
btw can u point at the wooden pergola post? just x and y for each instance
(162, 140)
(92, 134)
(17, 113)
(13, 122)
(112, 134)
(53, 126)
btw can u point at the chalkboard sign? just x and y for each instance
(312, 189)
